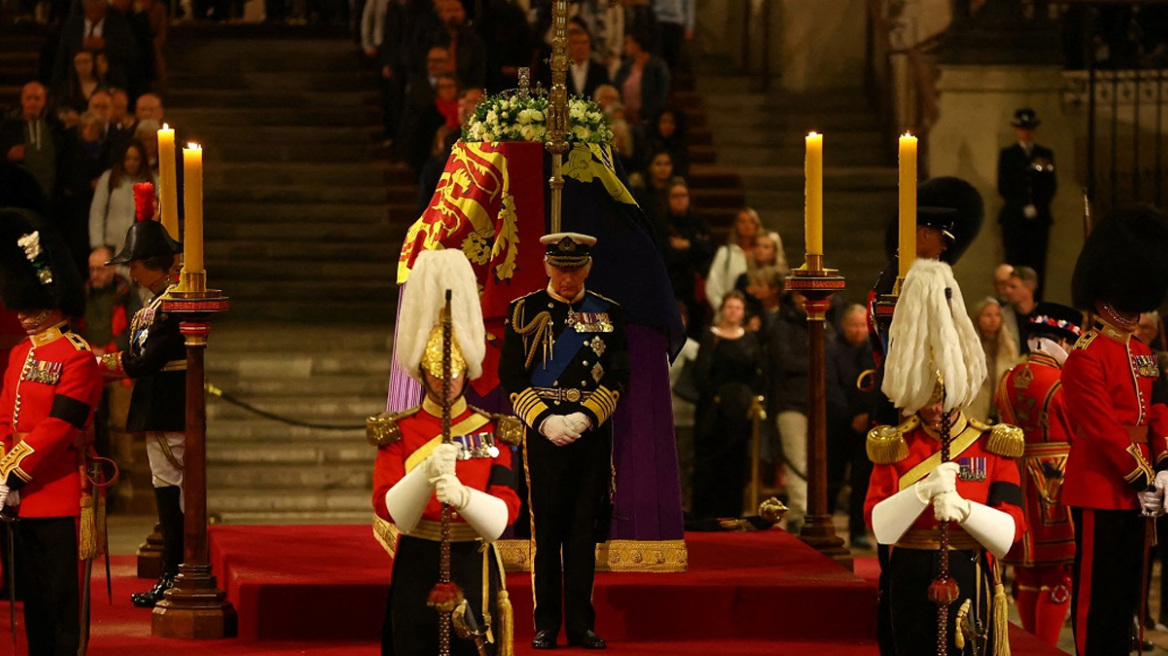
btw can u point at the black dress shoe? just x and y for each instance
(151, 597)
(587, 640)
(544, 639)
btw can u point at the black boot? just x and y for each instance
(170, 520)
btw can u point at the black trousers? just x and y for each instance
(914, 617)
(568, 496)
(1026, 244)
(46, 558)
(1106, 592)
(410, 627)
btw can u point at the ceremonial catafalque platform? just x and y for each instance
(322, 590)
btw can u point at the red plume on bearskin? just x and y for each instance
(144, 201)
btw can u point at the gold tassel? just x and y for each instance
(100, 526)
(506, 641)
(1001, 615)
(87, 536)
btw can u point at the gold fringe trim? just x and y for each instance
(1006, 440)
(1001, 615)
(642, 556)
(506, 642)
(886, 445)
(87, 535)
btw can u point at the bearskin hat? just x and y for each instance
(936, 195)
(1123, 261)
(37, 271)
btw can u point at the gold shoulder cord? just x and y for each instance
(539, 329)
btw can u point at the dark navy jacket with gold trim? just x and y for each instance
(52, 386)
(156, 360)
(1119, 441)
(560, 357)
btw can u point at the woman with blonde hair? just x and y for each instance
(731, 259)
(1001, 353)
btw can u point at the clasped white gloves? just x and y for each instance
(485, 513)
(1154, 500)
(1030, 212)
(992, 528)
(407, 500)
(441, 460)
(578, 421)
(557, 429)
(893, 516)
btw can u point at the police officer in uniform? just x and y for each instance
(415, 473)
(1030, 396)
(976, 490)
(156, 360)
(1118, 463)
(565, 363)
(51, 389)
(1027, 184)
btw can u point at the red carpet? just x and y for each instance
(321, 590)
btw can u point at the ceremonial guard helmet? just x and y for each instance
(419, 333)
(1123, 261)
(146, 237)
(37, 271)
(950, 205)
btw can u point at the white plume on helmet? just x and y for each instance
(931, 335)
(421, 310)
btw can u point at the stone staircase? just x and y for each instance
(759, 136)
(20, 52)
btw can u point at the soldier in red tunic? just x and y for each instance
(1119, 455)
(1030, 397)
(51, 387)
(415, 473)
(934, 368)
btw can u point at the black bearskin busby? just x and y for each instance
(37, 271)
(1123, 261)
(963, 220)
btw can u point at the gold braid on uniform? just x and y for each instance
(382, 429)
(508, 428)
(540, 328)
(886, 444)
(1005, 439)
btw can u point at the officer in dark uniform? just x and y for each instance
(1118, 463)
(1030, 396)
(415, 473)
(51, 389)
(1027, 184)
(156, 360)
(565, 363)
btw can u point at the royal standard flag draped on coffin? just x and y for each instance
(493, 203)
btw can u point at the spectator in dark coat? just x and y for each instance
(650, 188)
(83, 160)
(643, 78)
(688, 249)
(32, 137)
(585, 74)
(98, 29)
(510, 43)
(666, 131)
(420, 95)
(847, 425)
(468, 53)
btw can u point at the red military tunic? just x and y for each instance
(1030, 396)
(988, 476)
(421, 431)
(1119, 436)
(52, 386)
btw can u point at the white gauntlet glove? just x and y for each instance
(950, 507)
(451, 491)
(942, 479)
(441, 461)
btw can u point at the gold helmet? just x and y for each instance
(432, 357)
(418, 340)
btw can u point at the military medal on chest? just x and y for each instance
(476, 445)
(589, 322)
(1146, 365)
(39, 371)
(972, 469)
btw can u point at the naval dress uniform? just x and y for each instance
(1030, 396)
(902, 456)
(404, 441)
(1118, 446)
(51, 389)
(559, 357)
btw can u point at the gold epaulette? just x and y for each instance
(1085, 339)
(382, 429)
(886, 444)
(1005, 439)
(508, 428)
(77, 341)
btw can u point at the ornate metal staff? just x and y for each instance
(557, 124)
(943, 590)
(445, 596)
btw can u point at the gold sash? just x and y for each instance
(471, 423)
(960, 443)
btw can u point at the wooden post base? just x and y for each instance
(818, 532)
(195, 608)
(150, 555)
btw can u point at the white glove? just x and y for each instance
(451, 491)
(556, 429)
(1161, 485)
(1152, 500)
(441, 460)
(1030, 211)
(950, 507)
(13, 498)
(942, 479)
(4, 492)
(578, 422)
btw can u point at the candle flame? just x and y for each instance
(813, 133)
(193, 146)
(907, 134)
(165, 126)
